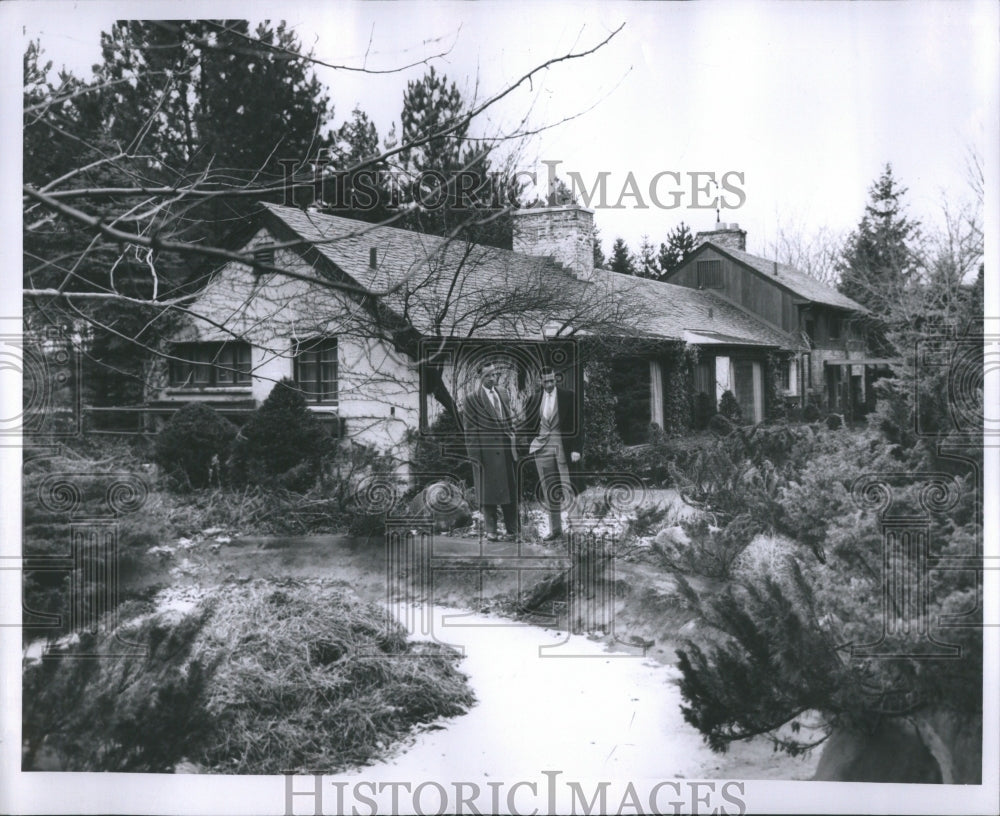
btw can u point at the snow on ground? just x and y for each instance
(178, 600)
(35, 650)
(588, 713)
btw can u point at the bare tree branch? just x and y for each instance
(181, 247)
(294, 55)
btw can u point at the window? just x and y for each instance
(748, 389)
(631, 384)
(811, 330)
(785, 375)
(316, 369)
(704, 378)
(833, 391)
(264, 253)
(834, 327)
(709, 274)
(202, 365)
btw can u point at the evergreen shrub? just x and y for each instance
(194, 438)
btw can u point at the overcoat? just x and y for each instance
(490, 444)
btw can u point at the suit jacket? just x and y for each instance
(570, 420)
(490, 442)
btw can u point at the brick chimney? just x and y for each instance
(724, 235)
(564, 233)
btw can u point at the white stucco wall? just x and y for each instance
(378, 389)
(268, 368)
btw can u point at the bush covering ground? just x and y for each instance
(784, 638)
(261, 677)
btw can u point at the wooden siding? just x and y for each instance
(772, 303)
(746, 288)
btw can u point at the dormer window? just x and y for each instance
(264, 254)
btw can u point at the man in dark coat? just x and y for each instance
(557, 440)
(490, 440)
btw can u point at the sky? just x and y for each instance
(802, 103)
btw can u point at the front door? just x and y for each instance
(748, 389)
(833, 388)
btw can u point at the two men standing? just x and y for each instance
(491, 438)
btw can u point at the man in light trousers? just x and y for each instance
(554, 423)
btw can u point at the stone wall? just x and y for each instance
(893, 753)
(564, 234)
(931, 747)
(817, 389)
(724, 235)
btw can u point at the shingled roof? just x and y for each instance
(679, 311)
(798, 283)
(406, 260)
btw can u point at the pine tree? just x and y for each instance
(730, 408)
(49, 153)
(433, 105)
(194, 443)
(211, 93)
(622, 260)
(745, 685)
(561, 195)
(599, 258)
(679, 245)
(880, 257)
(350, 191)
(774, 646)
(196, 102)
(647, 265)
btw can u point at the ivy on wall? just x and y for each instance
(618, 371)
(678, 364)
(776, 405)
(602, 442)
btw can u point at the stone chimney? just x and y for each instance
(564, 233)
(724, 235)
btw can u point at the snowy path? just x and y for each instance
(600, 717)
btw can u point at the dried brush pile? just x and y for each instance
(257, 678)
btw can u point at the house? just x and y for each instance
(381, 327)
(831, 367)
